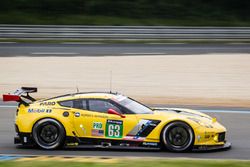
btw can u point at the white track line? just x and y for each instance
(81, 43)
(227, 111)
(159, 43)
(7, 106)
(54, 53)
(143, 53)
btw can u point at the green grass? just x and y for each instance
(132, 162)
(77, 19)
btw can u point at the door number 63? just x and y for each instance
(114, 130)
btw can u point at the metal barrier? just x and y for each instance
(123, 32)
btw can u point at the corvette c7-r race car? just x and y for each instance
(111, 120)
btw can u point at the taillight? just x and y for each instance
(16, 128)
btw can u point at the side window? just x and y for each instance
(78, 103)
(68, 103)
(101, 106)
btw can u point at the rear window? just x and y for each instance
(68, 103)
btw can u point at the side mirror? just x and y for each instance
(112, 111)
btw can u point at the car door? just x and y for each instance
(95, 122)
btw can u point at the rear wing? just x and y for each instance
(21, 95)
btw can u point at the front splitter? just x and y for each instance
(225, 146)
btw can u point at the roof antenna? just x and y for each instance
(110, 82)
(77, 90)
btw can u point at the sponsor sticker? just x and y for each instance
(37, 110)
(94, 116)
(49, 103)
(97, 132)
(77, 114)
(134, 138)
(114, 128)
(97, 125)
(153, 144)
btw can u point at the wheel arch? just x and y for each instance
(49, 118)
(66, 122)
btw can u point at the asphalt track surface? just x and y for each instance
(88, 49)
(236, 122)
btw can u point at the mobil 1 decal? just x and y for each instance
(114, 128)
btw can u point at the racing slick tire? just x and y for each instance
(48, 134)
(177, 137)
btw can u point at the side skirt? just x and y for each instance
(105, 143)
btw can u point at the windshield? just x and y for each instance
(134, 106)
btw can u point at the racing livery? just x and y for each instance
(111, 120)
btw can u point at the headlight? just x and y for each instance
(201, 123)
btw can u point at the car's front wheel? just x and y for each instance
(177, 137)
(48, 134)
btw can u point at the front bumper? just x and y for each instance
(225, 146)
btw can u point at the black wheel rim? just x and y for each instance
(49, 134)
(178, 136)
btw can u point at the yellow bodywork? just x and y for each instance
(205, 128)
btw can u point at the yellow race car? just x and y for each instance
(111, 120)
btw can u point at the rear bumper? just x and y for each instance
(17, 140)
(24, 139)
(225, 146)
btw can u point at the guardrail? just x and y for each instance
(123, 32)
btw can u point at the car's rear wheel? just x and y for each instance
(177, 137)
(48, 134)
